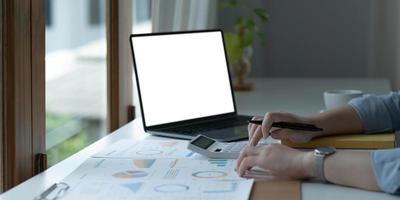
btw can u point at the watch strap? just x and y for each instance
(318, 169)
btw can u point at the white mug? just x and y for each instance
(338, 98)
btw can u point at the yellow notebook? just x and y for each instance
(356, 141)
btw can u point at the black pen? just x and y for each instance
(290, 125)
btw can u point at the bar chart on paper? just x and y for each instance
(218, 162)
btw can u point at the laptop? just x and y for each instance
(184, 85)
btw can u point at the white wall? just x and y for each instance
(178, 15)
(385, 41)
(324, 38)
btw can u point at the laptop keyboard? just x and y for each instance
(210, 126)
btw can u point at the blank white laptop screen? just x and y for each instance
(182, 76)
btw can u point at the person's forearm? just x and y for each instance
(348, 168)
(344, 120)
(351, 168)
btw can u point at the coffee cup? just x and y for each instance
(338, 98)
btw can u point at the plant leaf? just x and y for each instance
(262, 14)
(250, 24)
(229, 4)
(239, 24)
(247, 39)
(232, 3)
(233, 47)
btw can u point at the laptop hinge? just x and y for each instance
(228, 116)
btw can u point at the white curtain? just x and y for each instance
(177, 15)
(384, 43)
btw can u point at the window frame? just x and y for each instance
(23, 87)
(112, 64)
(1, 95)
(119, 64)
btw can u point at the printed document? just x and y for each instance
(113, 178)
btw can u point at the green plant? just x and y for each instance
(54, 121)
(245, 29)
(65, 149)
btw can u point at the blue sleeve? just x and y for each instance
(378, 113)
(386, 166)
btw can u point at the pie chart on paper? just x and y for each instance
(209, 174)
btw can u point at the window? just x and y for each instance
(63, 87)
(141, 16)
(76, 74)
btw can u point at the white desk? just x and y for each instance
(302, 96)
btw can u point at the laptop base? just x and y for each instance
(225, 130)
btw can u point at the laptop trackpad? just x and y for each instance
(228, 134)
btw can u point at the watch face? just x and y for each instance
(325, 150)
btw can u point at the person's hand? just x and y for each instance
(280, 160)
(256, 132)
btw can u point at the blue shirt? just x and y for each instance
(380, 114)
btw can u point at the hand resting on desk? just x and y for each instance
(349, 168)
(280, 160)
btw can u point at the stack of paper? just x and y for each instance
(155, 169)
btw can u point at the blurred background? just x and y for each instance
(300, 39)
(76, 71)
(322, 38)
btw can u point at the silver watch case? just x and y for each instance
(325, 151)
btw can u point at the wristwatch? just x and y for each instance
(319, 157)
